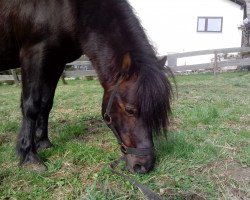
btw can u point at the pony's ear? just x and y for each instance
(126, 62)
(162, 61)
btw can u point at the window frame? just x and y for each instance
(206, 24)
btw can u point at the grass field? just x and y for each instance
(206, 156)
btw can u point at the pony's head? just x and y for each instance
(135, 106)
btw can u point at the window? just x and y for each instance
(209, 24)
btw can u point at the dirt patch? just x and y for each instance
(64, 110)
(94, 123)
(231, 177)
(62, 192)
(171, 194)
(90, 173)
(230, 169)
(5, 173)
(243, 125)
(237, 194)
(4, 139)
(245, 118)
(174, 124)
(235, 171)
(93, 126)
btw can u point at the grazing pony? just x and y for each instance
(41, 36)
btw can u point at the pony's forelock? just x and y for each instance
(154, 97)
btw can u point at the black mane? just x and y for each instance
(154, 89)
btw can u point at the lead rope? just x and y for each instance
(144, 190)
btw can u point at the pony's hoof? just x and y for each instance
(44, 144)
(35, 167)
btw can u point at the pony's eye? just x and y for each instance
(130, 111)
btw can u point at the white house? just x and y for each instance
(175, 26)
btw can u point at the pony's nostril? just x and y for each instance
(139, 169)
(143, 169)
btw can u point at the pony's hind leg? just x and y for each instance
(41, 136)
(48, 91)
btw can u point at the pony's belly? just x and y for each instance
(8, 53)
(8, 60)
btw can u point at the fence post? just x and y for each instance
(215, 62)
(63, 78)
(15, 77)
(172, 61)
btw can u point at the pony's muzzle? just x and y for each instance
(140, 164)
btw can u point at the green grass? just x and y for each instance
(207, 153)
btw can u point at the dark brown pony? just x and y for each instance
(40, 36)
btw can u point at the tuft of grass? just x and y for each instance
(9, 127)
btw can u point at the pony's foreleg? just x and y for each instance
(32, 73)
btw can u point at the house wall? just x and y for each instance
(248, 8)
(172, 25)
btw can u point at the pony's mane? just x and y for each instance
(128, 36)
(154, 89)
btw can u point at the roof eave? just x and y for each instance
(242, 3)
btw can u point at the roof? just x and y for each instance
(242, 3)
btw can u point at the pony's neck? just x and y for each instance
(110, 32)
(104, 57)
